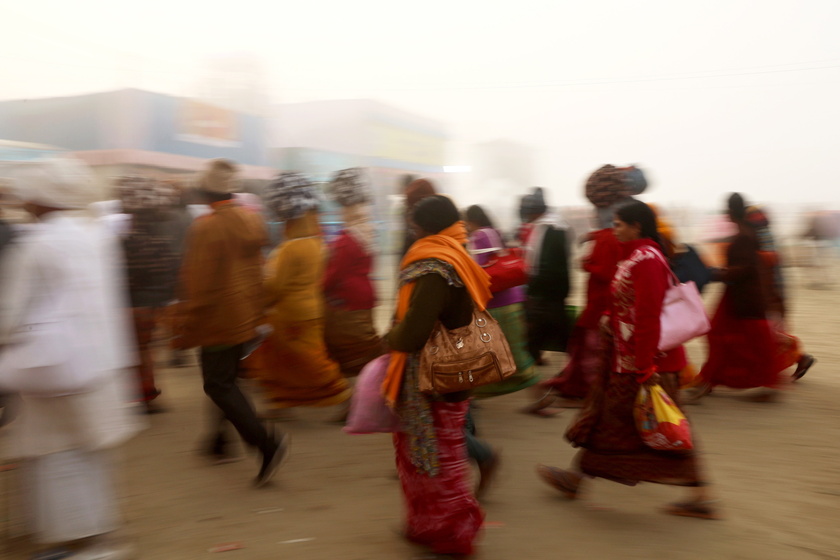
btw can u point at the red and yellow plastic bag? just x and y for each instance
(661, 424)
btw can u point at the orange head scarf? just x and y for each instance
(447, 246)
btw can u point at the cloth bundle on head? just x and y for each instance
(291, 195)
(609, 187)
(144, 193)
(417, 190)
(220, 177)
(532, 204)
(349, 187)
(63, 183)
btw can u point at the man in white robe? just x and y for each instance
(65, 349)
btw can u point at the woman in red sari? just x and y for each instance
(743, 348)
(439, 281)
(606, 428)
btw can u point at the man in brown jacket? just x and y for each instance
(222, 306)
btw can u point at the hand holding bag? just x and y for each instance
(470, 356)
(683, 314)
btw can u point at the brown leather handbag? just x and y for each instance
(464, 358)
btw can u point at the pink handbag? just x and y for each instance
(369, 413)
(683, 314)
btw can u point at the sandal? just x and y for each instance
(693, 395)
(802, 367)
(539, 407)
(699, 510)
(566, 482)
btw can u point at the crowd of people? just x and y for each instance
(83, 299)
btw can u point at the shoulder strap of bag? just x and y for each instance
(676, 281)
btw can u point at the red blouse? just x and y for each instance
(601, 265)
(347, 283)
(638, 290)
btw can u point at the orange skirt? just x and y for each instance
(293, 367)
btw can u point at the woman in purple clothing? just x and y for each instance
(506, 306)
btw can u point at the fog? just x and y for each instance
(708, 97)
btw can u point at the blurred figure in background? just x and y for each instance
(606, 427)
(547, 255)
(588, 357)
(415, 191)
(822, 231)
(65, 345)
(221, 308)
(151, 266)
(505, 306)
(350, 296)
(179, 220)
(7, 400)
(292, 364)
(743, 349)
(438, 282)
(685, 261)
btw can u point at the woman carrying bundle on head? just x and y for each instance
(349, 293)
(292, 364)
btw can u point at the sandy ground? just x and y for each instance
(776, 469)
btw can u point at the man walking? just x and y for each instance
(222, 306)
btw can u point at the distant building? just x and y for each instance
(135, 131)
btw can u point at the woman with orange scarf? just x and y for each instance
(439, 281)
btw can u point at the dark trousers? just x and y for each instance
(220, 369)
(548, 326)
(477, 449)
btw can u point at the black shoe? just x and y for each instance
(272, 460)
(802, 367)
(487, 473)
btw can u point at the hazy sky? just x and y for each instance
(708, 96)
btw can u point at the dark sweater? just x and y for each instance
(551, 283)
(743, 278)
(433, 299)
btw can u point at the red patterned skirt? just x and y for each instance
(612, 447)
(442, 512)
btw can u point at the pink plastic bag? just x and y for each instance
(369, 413)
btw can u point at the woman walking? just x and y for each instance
(350, 296)
(743, 349)
(605, 428)
(292, 364)
(505, 306)
(151, 269)
(438, 282)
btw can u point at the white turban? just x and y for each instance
(64, 183)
